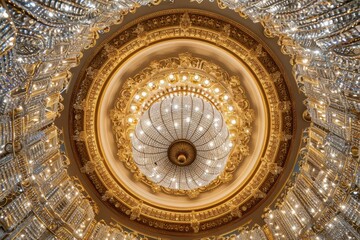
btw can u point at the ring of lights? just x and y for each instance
(142, 35)
(208, 82)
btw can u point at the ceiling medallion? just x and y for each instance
(181, 152)
(196, 79)
(181, 143)
(136, 95)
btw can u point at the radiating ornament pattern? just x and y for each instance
(181, 142)
(42, 40)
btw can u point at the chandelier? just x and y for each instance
(42, 40)
(181, 143)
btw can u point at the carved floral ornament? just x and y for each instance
(185, 75)
(219, 32)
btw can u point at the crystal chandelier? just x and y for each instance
(181, 142)
(320, 36)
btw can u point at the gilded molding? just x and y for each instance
(220, 84)
(202, 27)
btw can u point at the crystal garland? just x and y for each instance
(322, 39)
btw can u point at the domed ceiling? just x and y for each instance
(190, 69)
(179, 119)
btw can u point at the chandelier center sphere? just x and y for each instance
(182, 152)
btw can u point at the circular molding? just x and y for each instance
(184, 75)
(213, 30)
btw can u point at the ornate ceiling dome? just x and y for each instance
(193, 143)
(181, 142)
(274, 177)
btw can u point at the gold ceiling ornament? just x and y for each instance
(206, 28)
(182, 152)
(183, 75)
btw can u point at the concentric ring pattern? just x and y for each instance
(185, 118)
